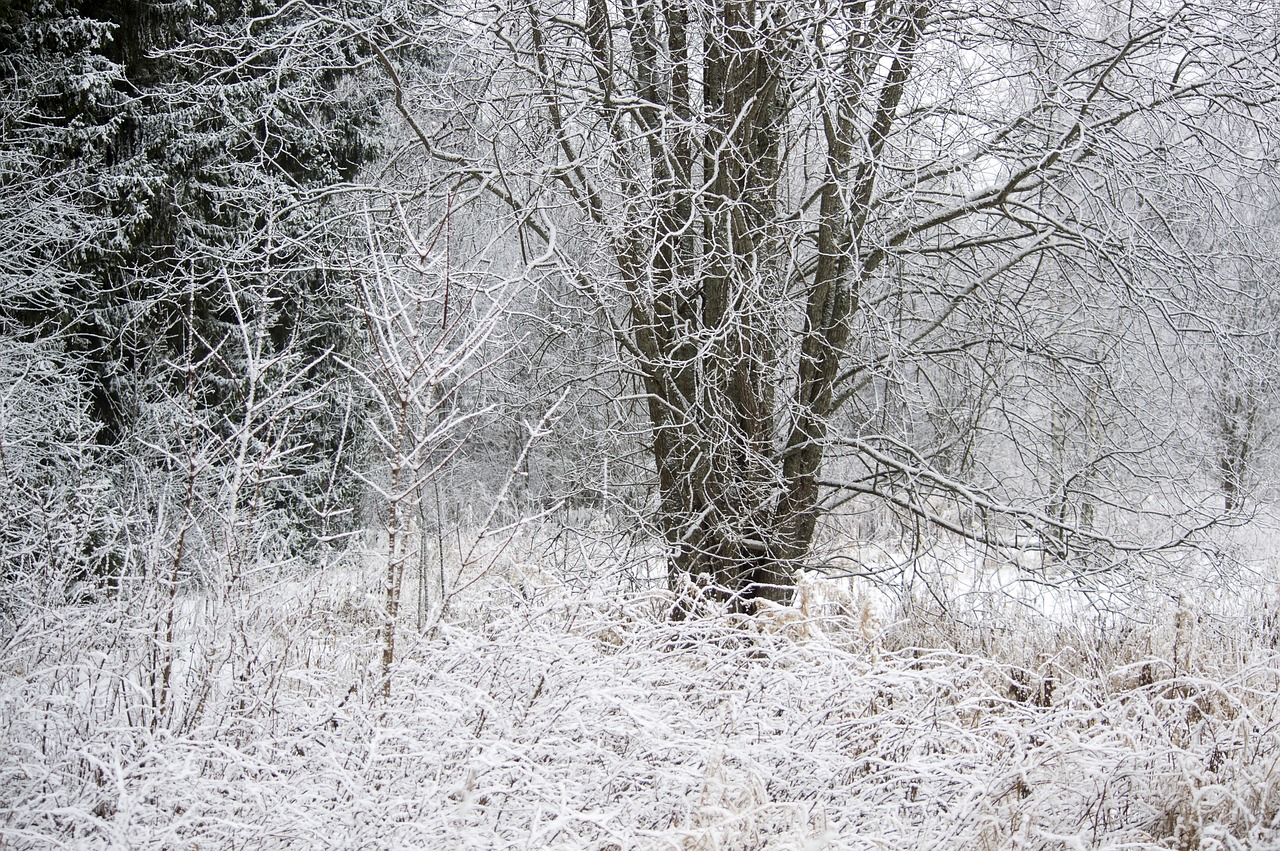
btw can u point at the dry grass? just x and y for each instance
(535, 715)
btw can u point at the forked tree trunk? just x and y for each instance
(738, 471)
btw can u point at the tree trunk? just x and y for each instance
(739, 505)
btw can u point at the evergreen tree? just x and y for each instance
(184, 153)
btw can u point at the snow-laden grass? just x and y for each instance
(534, 715)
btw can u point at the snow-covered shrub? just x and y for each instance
(582, 718)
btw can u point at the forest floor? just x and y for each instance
(543, 713)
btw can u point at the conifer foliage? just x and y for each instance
(169, 249)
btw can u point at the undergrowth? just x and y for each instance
(535, 715)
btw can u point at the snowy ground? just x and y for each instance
(544, 715)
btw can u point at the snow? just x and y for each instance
(586, 719)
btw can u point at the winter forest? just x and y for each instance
(629, 424)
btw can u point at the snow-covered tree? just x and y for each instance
(170, 173)
(774, 204)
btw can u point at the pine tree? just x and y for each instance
(165, 168)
